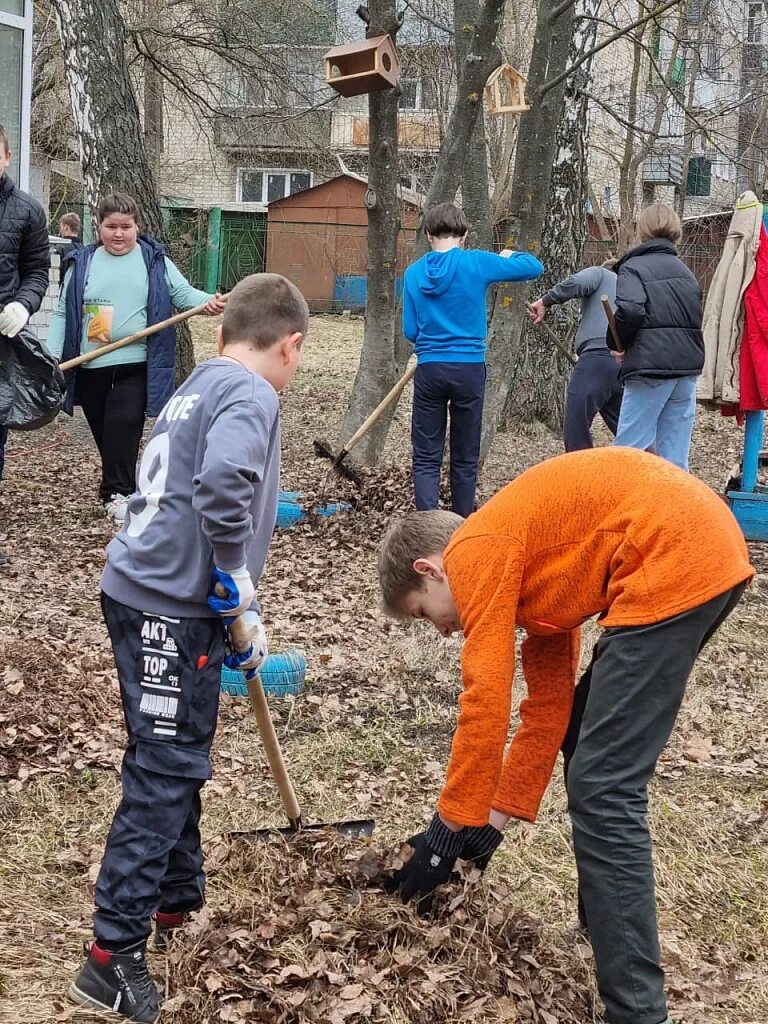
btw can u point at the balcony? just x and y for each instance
(247, 128)
(664, 168)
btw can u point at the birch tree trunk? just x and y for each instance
(536, 149)
(106, 115)
(540, 374)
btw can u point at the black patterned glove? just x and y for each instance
(434, 855)
(480, 843)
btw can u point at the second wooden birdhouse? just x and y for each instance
(362, 67)
(505, 91)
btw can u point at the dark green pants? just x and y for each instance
(638, 678)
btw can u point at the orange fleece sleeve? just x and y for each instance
(550, 664)
(484, 574)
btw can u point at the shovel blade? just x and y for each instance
(355, 829)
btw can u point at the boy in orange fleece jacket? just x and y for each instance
(612, 532)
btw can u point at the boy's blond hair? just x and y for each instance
(263, 309)
(659, 221)
(417, 535)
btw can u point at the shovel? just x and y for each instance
(296, 824)
(113, 346)
(554, 339)
(324, 450)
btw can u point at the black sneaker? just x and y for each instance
(119, 982)
(165, 926)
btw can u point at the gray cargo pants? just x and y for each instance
(638, 679)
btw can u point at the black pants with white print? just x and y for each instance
(170, 677)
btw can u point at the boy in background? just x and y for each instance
(610, 532)
(594, 386)
(445, 319)
(203, 515)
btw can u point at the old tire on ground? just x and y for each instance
(281, 674)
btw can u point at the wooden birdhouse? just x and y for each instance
(505, 91)
(362, 67)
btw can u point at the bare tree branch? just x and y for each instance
(606, 42)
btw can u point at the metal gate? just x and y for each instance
(242, 246)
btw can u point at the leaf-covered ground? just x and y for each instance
(305, 933)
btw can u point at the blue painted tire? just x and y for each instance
(281, 674)
(290, 512)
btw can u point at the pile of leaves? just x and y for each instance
(57, 709)
(309, 934)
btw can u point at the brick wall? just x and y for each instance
(42, 318)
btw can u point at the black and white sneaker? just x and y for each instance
(119, 982)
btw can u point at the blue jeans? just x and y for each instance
(3, 439)
(659, 414)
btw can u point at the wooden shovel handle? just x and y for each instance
(266, 728)
(113, 346)
(611, 321)
(386, 401)
(554, 339)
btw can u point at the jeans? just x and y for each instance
(114, 400)
(660, 414)
(594, 388)
(170, 676)
(630, 702)
(3, 439)
(436, 388)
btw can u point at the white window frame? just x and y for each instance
(21, 145)
(265, 172)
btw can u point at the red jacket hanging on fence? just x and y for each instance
(754, 343)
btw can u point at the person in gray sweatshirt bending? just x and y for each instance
(594, 386)
(203, 515)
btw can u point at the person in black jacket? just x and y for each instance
(24, 260)
(661, 345)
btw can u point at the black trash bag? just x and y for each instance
(32, 387)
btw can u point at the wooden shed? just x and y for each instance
(318, 239)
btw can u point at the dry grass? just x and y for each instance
(369, 738)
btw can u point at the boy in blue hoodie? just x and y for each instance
(444, 318)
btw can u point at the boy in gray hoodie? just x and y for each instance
(594, 386)
(203, 515)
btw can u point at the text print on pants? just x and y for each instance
(160, 678)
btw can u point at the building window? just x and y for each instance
(699, 176)
(294, 80)
(16, 82)
(418, 93)
(755, 20)
(266, 186)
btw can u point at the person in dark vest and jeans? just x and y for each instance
(445, 319)
(112, 290)
(594, 386)
(24, 261)
(658, 322)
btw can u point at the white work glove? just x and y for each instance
(250, 630)
(12, 318)
(240, 593)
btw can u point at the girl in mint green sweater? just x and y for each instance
(112, 290)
